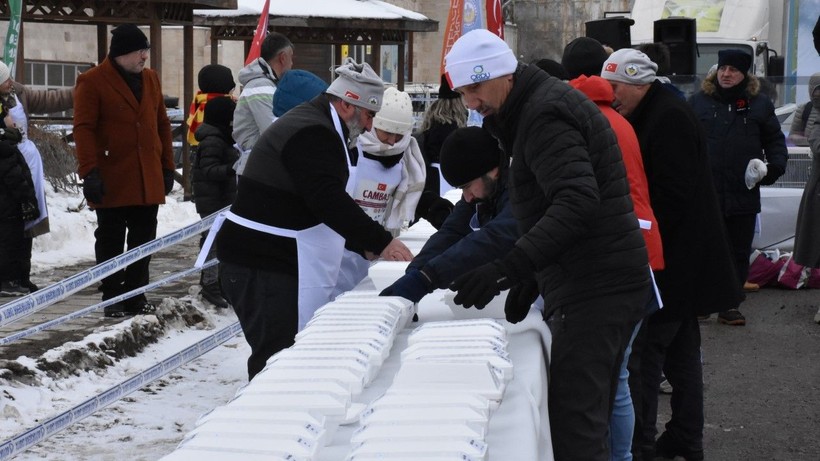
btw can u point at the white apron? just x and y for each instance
(319, 252)
(372, 187)
(33, 159)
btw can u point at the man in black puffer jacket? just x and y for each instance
(580, 240)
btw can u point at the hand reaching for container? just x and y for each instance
(396, 251)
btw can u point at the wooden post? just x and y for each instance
(102, 42)
(188, 95)
(401, 65)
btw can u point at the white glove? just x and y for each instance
(755, 172)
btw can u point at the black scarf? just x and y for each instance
(134, 81)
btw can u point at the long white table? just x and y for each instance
(519, 428)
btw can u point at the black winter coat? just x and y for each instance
(456, 248)
(738, 131)
(569, 193)
(213, 177)
(699, 277)
(16, 185)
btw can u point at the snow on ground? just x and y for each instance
(150, 422)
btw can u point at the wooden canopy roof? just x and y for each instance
(114, 11)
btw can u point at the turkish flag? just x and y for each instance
(611, 67)
(261, 33)
(382, 187)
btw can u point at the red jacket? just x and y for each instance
(600, 92)
(128, 141)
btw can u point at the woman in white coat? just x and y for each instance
(388, 178)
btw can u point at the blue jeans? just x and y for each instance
(622, 421)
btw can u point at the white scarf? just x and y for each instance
(413, 174)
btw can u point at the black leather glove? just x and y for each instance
(11, 134)
(168, 178)
(93, 188)
(413, 286)
(772, 173)
(520, 299)
(30, 210)
(479, 286)
(438, 212)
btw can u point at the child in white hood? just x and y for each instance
(388, 179)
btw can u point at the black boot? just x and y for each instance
(213, 294)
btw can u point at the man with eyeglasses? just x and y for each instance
(481, 227)
(123, 140)
(280, 247)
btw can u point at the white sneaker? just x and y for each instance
(817, 316)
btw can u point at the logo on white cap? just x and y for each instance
(479, 75)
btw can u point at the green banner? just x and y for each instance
(13, 34)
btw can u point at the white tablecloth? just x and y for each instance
(519, 429)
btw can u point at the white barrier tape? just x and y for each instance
(40, 299)
(37, 434)
(87, 310)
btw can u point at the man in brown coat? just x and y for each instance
(123, 140)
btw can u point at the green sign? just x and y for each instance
(13, 34)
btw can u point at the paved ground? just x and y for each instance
(762, 381)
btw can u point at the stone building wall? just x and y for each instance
(546, 26)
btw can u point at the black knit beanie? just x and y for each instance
(215, 78)
(467, 154)
(738, 59)
(444, 90)
(583, 56)
(127, 38)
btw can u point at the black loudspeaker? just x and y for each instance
(680, 35)
(613, 32)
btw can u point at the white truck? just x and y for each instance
(756, 26)
(770, 31)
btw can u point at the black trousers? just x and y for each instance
(674, 349)
(133, 225)
(588, 343)
(12, 249)
(266, 304)
(741, 232)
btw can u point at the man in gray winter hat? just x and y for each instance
(281, 246)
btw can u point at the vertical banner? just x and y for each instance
(452, 31)
(13, 34)
(467, 15)
(261, 33)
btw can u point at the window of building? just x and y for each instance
(44, 75)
